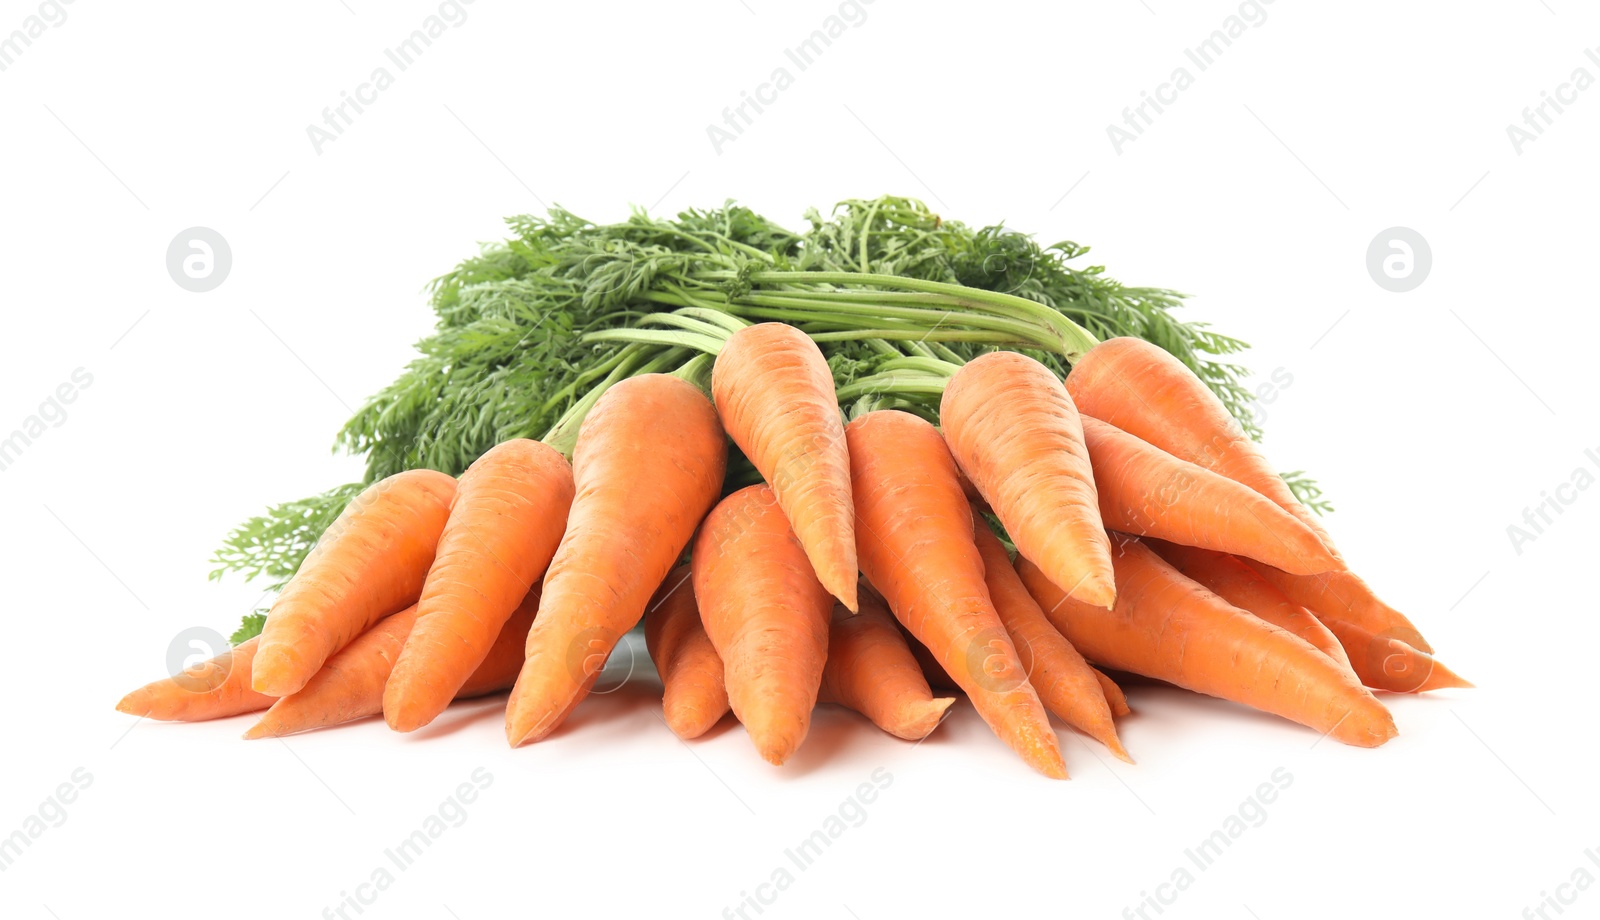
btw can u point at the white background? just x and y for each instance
(1432, 418)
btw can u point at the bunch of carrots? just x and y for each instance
(871, 565)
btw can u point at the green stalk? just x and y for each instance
(1074, 340)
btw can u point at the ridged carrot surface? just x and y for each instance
(371, 562)
(648, 465)
(914, 543)
(871, 670)
(509, 513)
(767, 615)
(1148, 492)
(1168, 627)
(214, 689)
(1148, 393)
(350, 686)
(1243, 587)
(1066, 684)
(1017, 436)
(694, 696)
(774, 393)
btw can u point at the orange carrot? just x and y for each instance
(1115, 698)
(1016, 434)
(371, 562)
(694, 697)
(509, 512)
(1146, 491)
(774, 393)
(350, 686)
(767, 615)
(1388, 662)
(1140, 388)
(871, 670)
(1240, 585)
(914, 543)
(648, 464)
(1148, 393)
(214, 689)
(1343, 596)
(1167, 627)
(1065, 683)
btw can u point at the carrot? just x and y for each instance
(774, 393)
(1167, 627)
(1388, 662)
(871, 669)
(351, 685)
(647, 465)
(1343, 596)
(1016, 434)
(914, 543)
(1146, 392)
(371, 562)
(767, 615)
(214, 689)
(1065, 683)
(932, 670)
(694, 697)
(1240, 585)
(509, 512)
(1115, 698)
(1146, 491)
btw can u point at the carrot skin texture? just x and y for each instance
(774, 393)
(647, 466)
(1115, 698)
(1167, 627)
(371, 562)
(214, 689)
(767, 615)
(694, 697)
(1243, 587)
(914, 543)
(1065, 682)
(1146, 392)
(1017, 436)
(1342, 595)
(351, 685)
(1387, 662)
(871, 669)
(508, 515)
(1148, 492)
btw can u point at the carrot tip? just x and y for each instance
(921, 718)
(258, 730)
(134, 704)
(689, 724)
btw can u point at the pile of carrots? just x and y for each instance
(870, 568)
